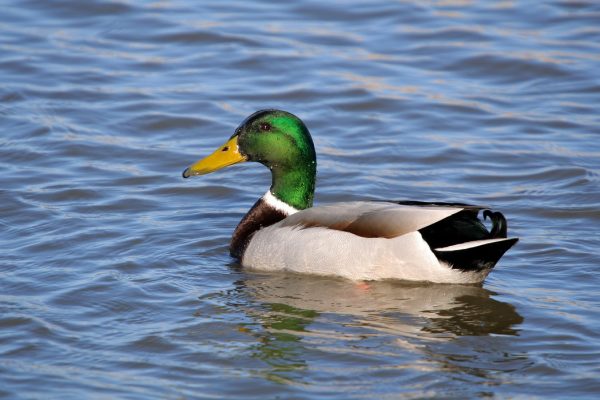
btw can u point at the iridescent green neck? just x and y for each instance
(295, 186)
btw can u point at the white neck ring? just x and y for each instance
(277, 204)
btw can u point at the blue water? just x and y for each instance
(115, 277)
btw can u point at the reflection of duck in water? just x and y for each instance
(388, 305)
(444, 243)
(298, 316)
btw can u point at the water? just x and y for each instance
(115, 279)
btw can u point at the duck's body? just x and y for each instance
(368, 240)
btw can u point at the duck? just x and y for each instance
(358, 240)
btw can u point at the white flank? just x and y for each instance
(278, 204)
(323, 251)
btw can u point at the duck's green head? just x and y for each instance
(278, 140)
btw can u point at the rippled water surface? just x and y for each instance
(115, 278)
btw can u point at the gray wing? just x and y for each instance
(371, 219)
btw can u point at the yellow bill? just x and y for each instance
(226, 155)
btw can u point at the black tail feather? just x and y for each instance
(475, 258)
(499, 226)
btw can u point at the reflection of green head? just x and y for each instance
(281, 344)
(281, 141)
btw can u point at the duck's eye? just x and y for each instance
(265, 127)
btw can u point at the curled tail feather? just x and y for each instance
(499, 226)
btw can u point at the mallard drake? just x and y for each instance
(359, 240)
